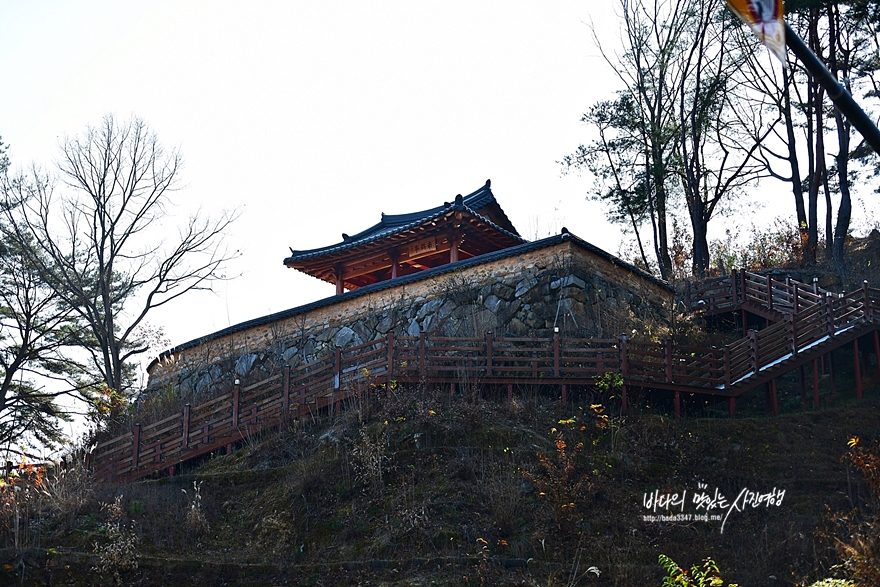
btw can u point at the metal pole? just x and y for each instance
(838, 94)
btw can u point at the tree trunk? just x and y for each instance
(796, 186)
(844, 212)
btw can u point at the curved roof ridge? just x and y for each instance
(391, 223)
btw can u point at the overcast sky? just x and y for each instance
(315, 117)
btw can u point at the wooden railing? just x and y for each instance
(729, 371)
(742, 287)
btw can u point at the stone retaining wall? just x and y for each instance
(525, 291)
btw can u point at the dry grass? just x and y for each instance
(426, 475)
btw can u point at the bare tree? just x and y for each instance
(720, 128)
(104, 247)
(35, 329)
(633, 160)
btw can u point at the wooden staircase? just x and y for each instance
(803, 322)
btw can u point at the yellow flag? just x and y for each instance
(766, 20)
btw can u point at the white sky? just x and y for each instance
(315, 117)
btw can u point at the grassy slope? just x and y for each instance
(299, 503)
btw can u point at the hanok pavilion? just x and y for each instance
(401, 244)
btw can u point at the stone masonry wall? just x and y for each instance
(562, 285)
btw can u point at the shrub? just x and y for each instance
(119, 551)
(706, 575)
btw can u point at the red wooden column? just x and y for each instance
(510, 392)
(677, 402)
(340, 283)
(731, 406)
(453, 237)
(857, 368)
(815, 383)
(394, 255)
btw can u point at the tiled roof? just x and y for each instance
(394, 223)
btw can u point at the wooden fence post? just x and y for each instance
(136, 447)
(866, 310)
(389, 344)
(337, 368)
(285, 390)
(186, 417)
(489, 350)
(624, 371)
(732, 278)
(236, 403)
(797, 300)
(769, 291)
(555, 354)
(829, 315)
(423, 370)
(753, 350)
(792, 333)
(667, 359)
(677, 402)
(726, 366)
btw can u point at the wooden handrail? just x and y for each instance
(319, 383)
